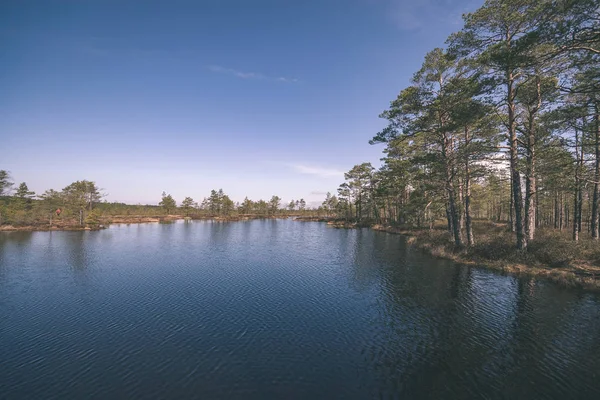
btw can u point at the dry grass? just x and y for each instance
(71, 223)
(551, 255)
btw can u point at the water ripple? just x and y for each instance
(279, 309)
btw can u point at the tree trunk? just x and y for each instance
(561, 221)
(468, 221)
(461, 201)
(576, 220)
(511, 215)
(449, 219)
(452, 208)
(499, 219)
(349, 209)
(577, 205)
(595, 225)
(530, 180)
(514, 160)
(530, 209)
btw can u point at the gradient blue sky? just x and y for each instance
(255, 97)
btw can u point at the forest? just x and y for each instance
(502, 124)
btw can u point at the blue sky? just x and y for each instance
(255, 97)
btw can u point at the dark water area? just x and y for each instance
(279, 309)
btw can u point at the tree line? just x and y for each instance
(23, 207)
(81, 203)
(219, 204)
(502, 124)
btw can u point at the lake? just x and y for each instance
(279, 309)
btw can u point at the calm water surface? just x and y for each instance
(278, 309)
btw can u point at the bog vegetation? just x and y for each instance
(81, 204)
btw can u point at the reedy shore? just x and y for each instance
(105, 222)
(552, 256)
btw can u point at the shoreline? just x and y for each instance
(106, 222)
(583, 276)
(54, 228)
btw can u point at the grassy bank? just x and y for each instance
(102, 222)
(53, 227)
(72, 224)
(552, 255)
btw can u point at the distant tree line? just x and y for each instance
(503, 124)
(23, 207)
(80, 203)
(219, 204)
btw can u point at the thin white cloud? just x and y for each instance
(250, 75)
(318, 171)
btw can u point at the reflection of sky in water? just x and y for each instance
(279, 308)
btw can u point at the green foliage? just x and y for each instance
(219, 204)
(82, 194)
(23, 192)
(274, 204)
(51, 200)
(291, 206)
(261, 207)
(167, 203)
(93, 218)
(227, 206)
(247, 206)
(187, 205)
(25, 196)
(5, 182)
(330, 204)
